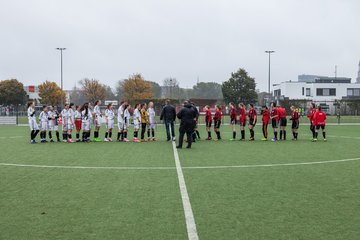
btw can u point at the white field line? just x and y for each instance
(172, 168)
(274, 165)
(85, 167)
(12, 137)
(189, 216)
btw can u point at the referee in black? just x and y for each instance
(187, 117)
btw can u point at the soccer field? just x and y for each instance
(237, 190)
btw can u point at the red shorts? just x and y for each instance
(78, 124)
(242, 122)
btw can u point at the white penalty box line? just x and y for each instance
(190, 167)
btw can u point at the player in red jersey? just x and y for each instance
(283, 122)
(265, 120)
(252, 121)
(78, 122)
(233, 119)
(295, 122)
(208, 121)
(319, 121)
(217, 121)
(310, 116)
(274, 115)
(242, 120)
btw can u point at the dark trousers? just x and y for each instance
(143, 129)
(188, 135)
(169, 124)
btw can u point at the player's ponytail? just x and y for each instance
(29, 104)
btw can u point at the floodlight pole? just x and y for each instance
(269, 52)
(61, 66)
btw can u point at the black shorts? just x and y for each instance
(283, 122)
(208, 124)
(217, 124)
(274, 123)
(233, 122)
(320, 126)
(251, 122)
(295, 125)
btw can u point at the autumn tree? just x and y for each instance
(135, 88)
(239, 88)
(12, 92)
(51, 93)
(92, 89)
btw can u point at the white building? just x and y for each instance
(322, 90)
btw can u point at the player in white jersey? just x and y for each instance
(91, 115)
(67, 123)
(78, 121)
(109, 122)
(152, 122)
(126, 122)
(53, 124)
(120, 118)
(44, 121)
(86, 117)
(34, 128)
(136, 120)
(72, 110)
(98, 119)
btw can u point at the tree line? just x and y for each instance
(240, 87)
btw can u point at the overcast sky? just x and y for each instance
(185, 39)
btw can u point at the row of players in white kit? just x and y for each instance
(82, 118)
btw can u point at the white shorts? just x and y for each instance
(151, 126)
(110, 124)
(85, 126)
(98, 121)
(33, 125)
(121, 125)
(125, 126)
(53, 127)
(44, 126)
(137, 125)
(67, 127)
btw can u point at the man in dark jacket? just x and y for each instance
(187, 123)
(196, 133)
(168, 114)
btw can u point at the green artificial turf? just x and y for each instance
(319, 201)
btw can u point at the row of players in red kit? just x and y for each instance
(276, 116)
(317, 121)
